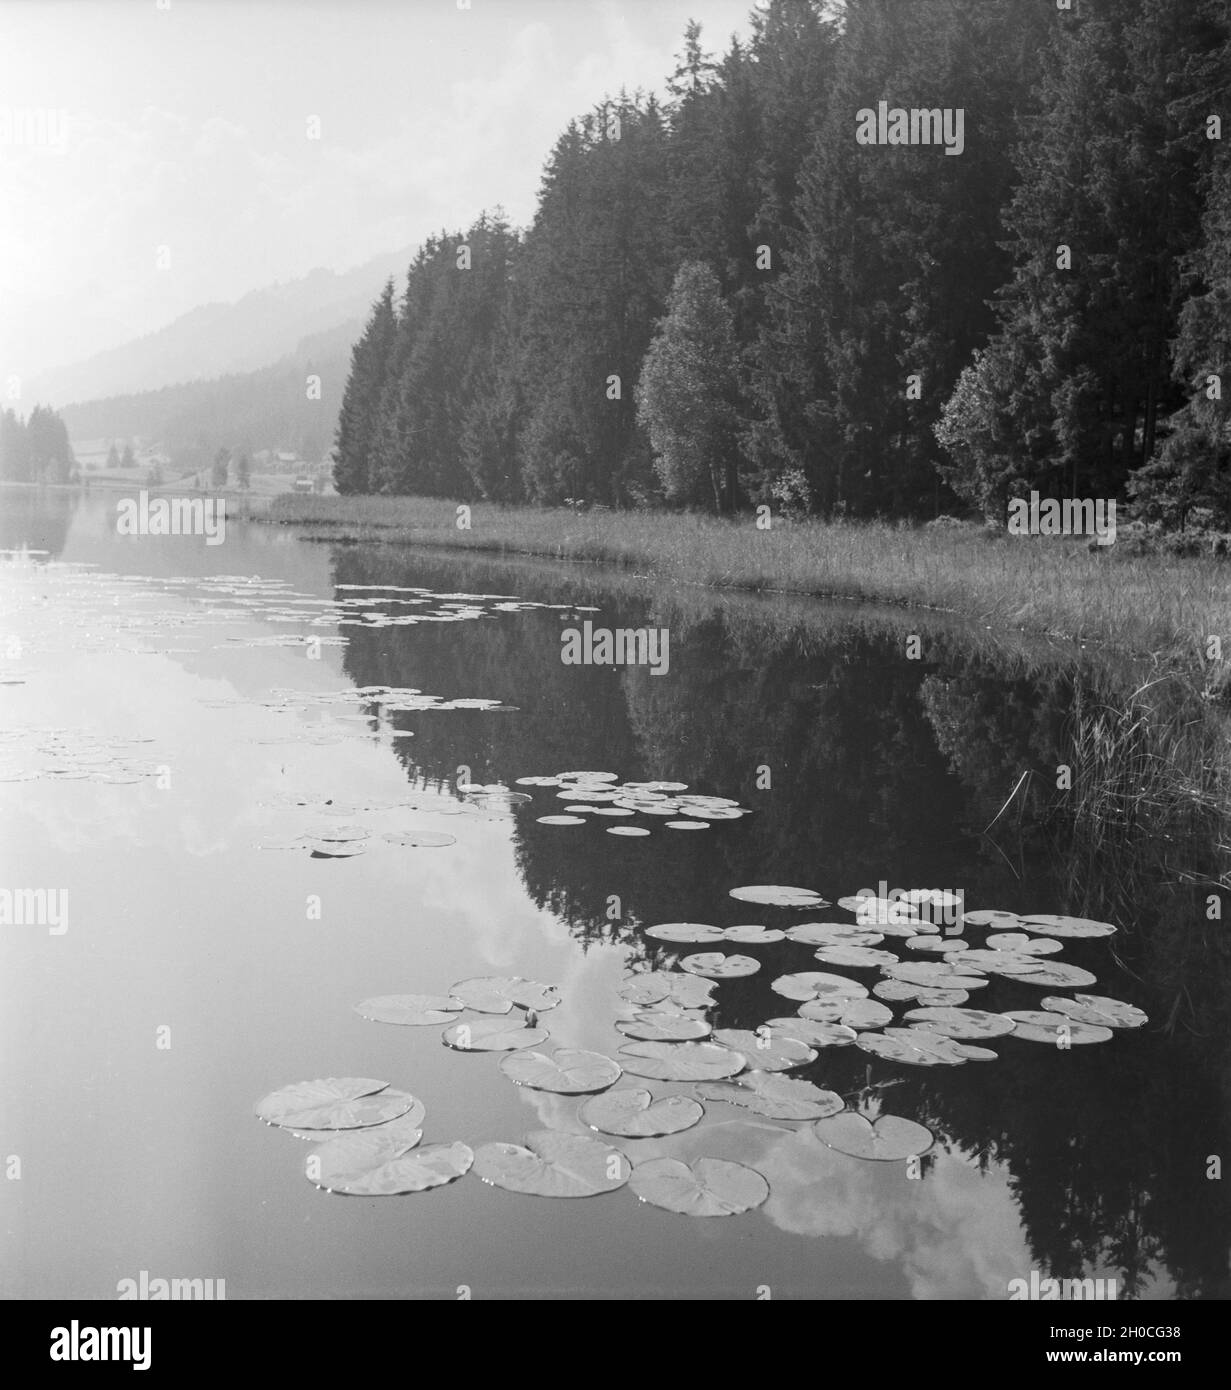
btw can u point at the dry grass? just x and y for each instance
(1163, 605)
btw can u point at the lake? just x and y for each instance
(200, 751)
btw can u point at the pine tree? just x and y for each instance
(371, 359)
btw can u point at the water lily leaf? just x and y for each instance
(553, 1164)
(588, 777)
(833, 934)
(1021, 944)
(416, 1171)
(928, 1040)
(932, 897)
(490, 994)
(410, 1009)
(1097, 1009)
(659, 1027)
(634, 830)
(654, 986)
(990, 917)
(936, 945)
(880, 911)
(893, 1049)
(1002, 962)
(567, 1071)
(419, 839)
(1056, 975)
(964, 1050)
(411, 1118)
(863, 1013)
(493, 1035)
(685, 1061)
(754, 935)
(685, 931)
(356, 1152)
(776, 895)
(774, 1096)
(816, 1031)
(1037, 1025)
(710, 1187)
(815, 984)
(683, 824)
(561, 820)
(635, 1114)
(715, 966)
(889, 1138)
(962, 1024)
(317, 1104)
(899, 991)
(934, 975)
(764, 1050)
(855, 956)
(1066, 926)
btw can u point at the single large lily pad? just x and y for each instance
(854, 957)
(766, 1051)
(818, 1032)
(496, 994)
(962, 1024)
(493, 1035)
(567, 1071)
(710, 1187)
(553, 1164)
(655, 986)
(384, 1167)
(686, 1061)
(1021, 944)
(1097, 1009)
(815, 984)
(635, 1114)
(1050, 925)
(892, 1049)
(685, 931)
(833, 934)
(888, 1139)
(713, 965)
(656, 1026)
(333, 1102)
(774, 1096)
(410, 1009)
(900, 990)
(754, 935)
(1056, 974)
(777, 895)
(1036, 1025)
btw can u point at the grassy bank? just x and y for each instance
(1164, 605)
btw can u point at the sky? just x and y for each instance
(156, 155)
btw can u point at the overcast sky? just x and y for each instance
(187, 128)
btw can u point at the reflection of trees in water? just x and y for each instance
(881, 768)
(36, 517)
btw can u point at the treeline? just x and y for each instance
(726, 298)
(36, 449)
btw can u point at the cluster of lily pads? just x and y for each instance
(28, 755)
(592, 794)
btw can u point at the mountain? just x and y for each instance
(224, 339)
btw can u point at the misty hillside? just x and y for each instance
(222, 339)
(263, 409)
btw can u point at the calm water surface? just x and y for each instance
(167, 719)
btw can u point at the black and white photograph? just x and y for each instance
(615, 667)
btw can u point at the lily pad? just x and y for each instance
(962, 1024)
(818, 1032)
(685, 931)
(653, 986)
(815, 984)
(686, 1061)
(964, 1050)
(659, 1027)
(766, 1051)
(991, 917)
(1036, 1025)
(710, 1187)
(633, 830)
(635, 1114)
(1049, 925)
(927, 1040)
(416, 1171)
(1056, 974)
(892, 1049)
(888, 1139)
(936, 945)
(567, 1071)
(410, 1009)
(855, 957)
(754, 935)
(553, 1164)
(774, 1096)
(715, 966)
(347, 1162)
(493, 1035)
(900, 990)
(863, 1013)
(561, 820)
(1021, 944)
(833, 934)
(682, 824)
(496, 994)
(1097, 1009)
(934, 975)
(328, 1103)
(776, 895)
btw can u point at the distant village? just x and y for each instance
(128, 461)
